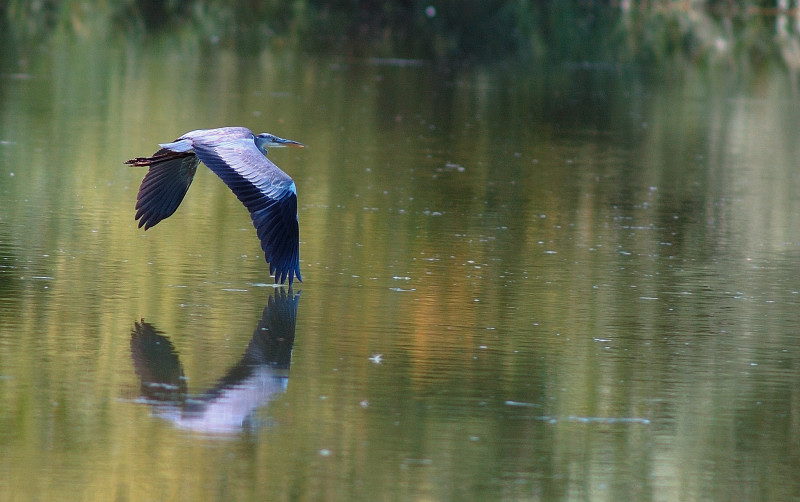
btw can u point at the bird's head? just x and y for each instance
(266, 140)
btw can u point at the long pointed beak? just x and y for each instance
(287, 142)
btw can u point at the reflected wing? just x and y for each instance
(266, 191)
(164, 185)
(271, 344)
(273, 338)
(157, 364)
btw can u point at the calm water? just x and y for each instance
(572, 283)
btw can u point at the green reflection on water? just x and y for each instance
(526, 251)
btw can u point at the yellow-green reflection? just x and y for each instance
(493, 258)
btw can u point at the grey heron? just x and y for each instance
(239, 158)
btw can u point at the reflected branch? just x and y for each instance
(260, 376)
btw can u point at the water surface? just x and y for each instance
(573, 282)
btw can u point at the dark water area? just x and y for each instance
(575, 281)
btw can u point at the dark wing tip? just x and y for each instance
(291, 274)
(277, 229)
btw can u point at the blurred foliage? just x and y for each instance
(571, 30)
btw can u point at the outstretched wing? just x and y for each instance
(266, 191)
(164, 185)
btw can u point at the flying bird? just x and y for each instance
(239, 158)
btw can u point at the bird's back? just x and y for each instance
(212, 137)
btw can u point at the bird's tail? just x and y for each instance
(158, 157)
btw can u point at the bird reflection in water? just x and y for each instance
(259, 377)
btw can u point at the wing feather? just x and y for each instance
(164, 185)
